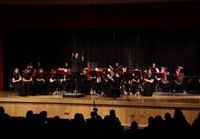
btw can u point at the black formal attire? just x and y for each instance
(28, 84)
(75, 79)
(40, 85)
(149, 88)
(18, 85)
(113, 87)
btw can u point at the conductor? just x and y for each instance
(76, 64)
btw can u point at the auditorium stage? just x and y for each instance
(128, 108)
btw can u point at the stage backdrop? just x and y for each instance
(135, 35)
(133, 48)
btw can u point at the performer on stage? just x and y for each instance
(28, 82)
(63, 81)
(154, 67)
(149, 83)
(76, 64)
(113, 84)
(30, 66)
(39, 83)
(16, 81)
(164, 83)
(180, 84)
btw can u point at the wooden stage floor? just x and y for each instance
(171, 99)
(128, 108)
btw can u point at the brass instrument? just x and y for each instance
(180, 78)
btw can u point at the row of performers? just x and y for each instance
(111, 83)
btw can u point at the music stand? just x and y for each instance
(93, 74)
(137, 73)
(126, 77)
(46, 75)
(58, 76)
(159, 75)
(142, 68)
(171, 78)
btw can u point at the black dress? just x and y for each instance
(149, 87)
(18, 85)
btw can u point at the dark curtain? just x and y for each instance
(135, 35)
(133, 48)
(138, 15)
(1, 63)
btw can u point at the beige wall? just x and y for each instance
(125, 110)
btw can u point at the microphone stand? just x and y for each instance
(128, 94)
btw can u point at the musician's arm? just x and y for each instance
(25, 80)
(150, 81)
(15, 81)
(111, 78)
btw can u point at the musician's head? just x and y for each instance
(153, 65)
(76, 55)
(96, 69)
(163, 69)
(116, 64)
(150, 71)
(27, 70)
(16, 70)
(85, 71)
(179, 67)
(40, 70)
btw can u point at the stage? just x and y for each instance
(127, 107)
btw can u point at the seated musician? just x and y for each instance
(113, 84)
(94, 74)
(180, 85)
(118, 67)
(39, 66)
(100, 80)
(155, 68)
(58, 82)
(16, 81)
(63, 83)
(104, 80)
(64, 68)
(164, 83)
(149, 82)
(28, 82)
(135, 82)
(39, 82)
(53, 83)
(85, 81)
(118, 83)
(126, 80)
(30, 66)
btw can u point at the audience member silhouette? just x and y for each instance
(92, 128)
(112, 125)
(134, 132)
